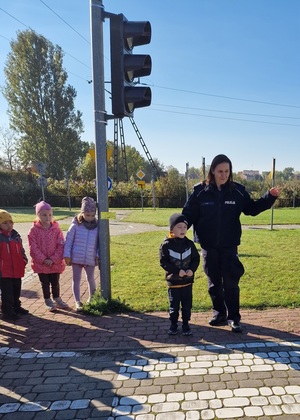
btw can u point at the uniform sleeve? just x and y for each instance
(191, 208)
(254, 207)
(195, 258)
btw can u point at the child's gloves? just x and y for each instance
(68, 261)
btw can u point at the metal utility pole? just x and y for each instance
(273, 184)
(187, 180)
(203, 168)
(96, 20)
(153, 189)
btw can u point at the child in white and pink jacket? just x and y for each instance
(81, 248)
(46, 245)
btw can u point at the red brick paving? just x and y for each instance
(67, 330)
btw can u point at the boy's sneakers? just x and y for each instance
(50, 305)
(78, 306)
(173, 329)
(60, 303)
(186, 330)
(235, 326)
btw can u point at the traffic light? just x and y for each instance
(126, 66)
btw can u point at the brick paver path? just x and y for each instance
(67, 365)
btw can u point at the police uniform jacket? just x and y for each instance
(215, 214)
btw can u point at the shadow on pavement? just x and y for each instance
(79, 356)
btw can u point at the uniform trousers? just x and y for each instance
(224, 270)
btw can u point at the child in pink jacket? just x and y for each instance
(46, 245)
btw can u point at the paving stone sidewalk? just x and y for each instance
(67, 365)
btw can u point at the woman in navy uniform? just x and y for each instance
(214, 210)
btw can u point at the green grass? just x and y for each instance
(271, 260)
(99, 306)
(160, 217)
(27, 214)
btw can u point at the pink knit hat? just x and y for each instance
(88, 205)
(42, 205)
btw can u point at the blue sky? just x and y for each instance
(225, 75)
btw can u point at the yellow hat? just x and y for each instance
(5, 216)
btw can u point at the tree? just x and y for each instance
(288, 173)
(87, 170)
(152, 172)
(41, 105)
(134, 162)
(195, 173)
(8, 148)
(171, 186)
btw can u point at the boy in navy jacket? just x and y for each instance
(180, 259)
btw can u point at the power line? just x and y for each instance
(82, 78)
(226, 97)
(13, 17)
(81, 62)
(66, 53)
(4, 37)
(224, 118)
(165, 87)
(81, 36)
(228, 112)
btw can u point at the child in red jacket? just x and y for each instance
(13, 261)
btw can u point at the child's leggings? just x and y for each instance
(47, 281)
(89, 274)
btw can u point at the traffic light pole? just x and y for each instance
(97, 19)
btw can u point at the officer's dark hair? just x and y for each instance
(215, 162)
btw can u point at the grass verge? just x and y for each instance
(160, 217)
(99, 306)
(271, 279)
(270, 257)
